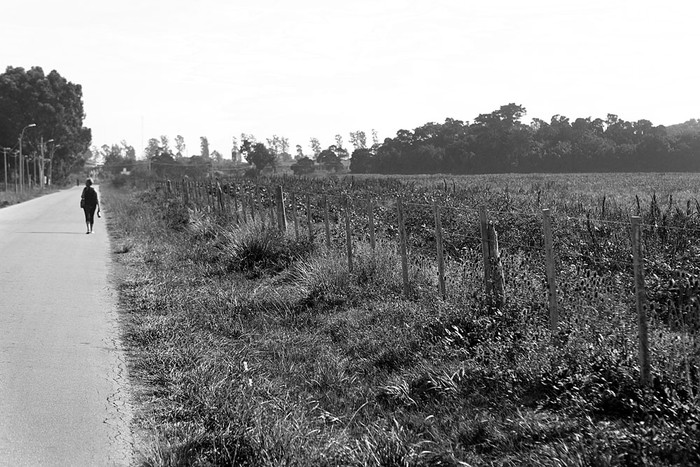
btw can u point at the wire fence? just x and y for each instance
(571, 273)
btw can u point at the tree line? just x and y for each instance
(497, 142)
(500, 142)
(50, 109)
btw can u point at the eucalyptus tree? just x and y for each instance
(55, 105)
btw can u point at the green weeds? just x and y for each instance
(253, 348)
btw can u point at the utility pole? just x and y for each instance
(42, 169)
(41, 164)
(21, 161)
(53, 148)
(4, 157)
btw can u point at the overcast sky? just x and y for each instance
(317, 68)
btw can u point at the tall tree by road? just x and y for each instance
(55, 105)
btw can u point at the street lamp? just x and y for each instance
(21, 168)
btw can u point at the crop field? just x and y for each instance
(369, 330)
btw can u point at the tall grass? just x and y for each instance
(10, 197)
(255, 349)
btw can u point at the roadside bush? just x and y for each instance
(119, 181)
(255, 250)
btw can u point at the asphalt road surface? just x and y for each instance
(64, 396)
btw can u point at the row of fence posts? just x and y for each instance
(494, 283)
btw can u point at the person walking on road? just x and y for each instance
(89, 202)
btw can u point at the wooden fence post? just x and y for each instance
(326, 222)
(273, 209)
(402, 247)
(235, 205)
(244, 197)
(485, 250)
(551, 271)
(220, 197)
(258, 203)
(497, 279)
(281, 214)
(440, 253)
(348, 231)
(295, 216)
(308, 217)
(370, 218)
(206, 201)
(640, 295)
(186, 192)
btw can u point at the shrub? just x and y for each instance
(119, 180)
(255, 249)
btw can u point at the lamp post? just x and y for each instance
(4, 157)
(21, 168)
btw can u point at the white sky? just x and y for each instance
(317, 68)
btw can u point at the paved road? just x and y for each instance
(63, 386)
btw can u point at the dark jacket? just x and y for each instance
(90, 197)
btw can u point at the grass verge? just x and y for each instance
(256, 349)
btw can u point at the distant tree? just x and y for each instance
(362, 161)
(358, 139)
(315, 147)
(164, 165)
(217, 156)
(342, 153)
(152, 148)
(303, 166)
(329, 160)
(165, 143)
(300, 152)
(128, 151)
(249, 137)
(279, 146)
(375, 137)
(245, 149)
(204, 145)
(112, 158)
(691, 127)
(339, 150)
(339, 141)
(260, 156)
(180, 146)
(501, 141)
(327, 155)
(235, 154)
